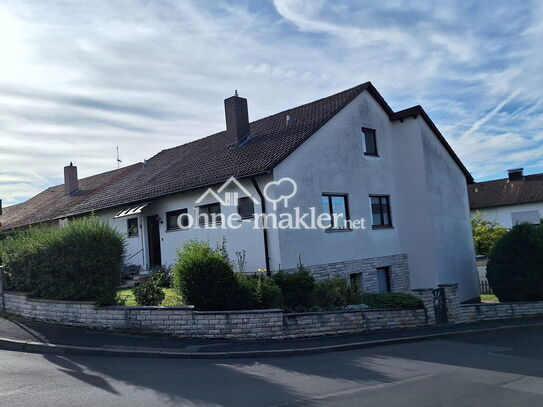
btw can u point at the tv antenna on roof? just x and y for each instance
(119, 161)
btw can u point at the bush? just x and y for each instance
(390, 300)
(161, 276)
(79, 262)
(298, 288)
(515, 265)
(204, 278)
(485, 233)
(335, 293)
(148, 293)
(257, 292)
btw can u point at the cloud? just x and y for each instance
(78, 79)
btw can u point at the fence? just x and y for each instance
(485, 287)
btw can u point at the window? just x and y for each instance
(246, 208)
(383, 278)
(356, 281)
(173, 222)
(370, 141)
(380, 211)
(525, 217)
(205, 213)
(338, 208)
(132, 227)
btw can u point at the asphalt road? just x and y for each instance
(494, 369)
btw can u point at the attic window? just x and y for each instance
(370, 142)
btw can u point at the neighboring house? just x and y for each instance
(348, 153)
(509, 201)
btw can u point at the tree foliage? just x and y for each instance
(485, 233)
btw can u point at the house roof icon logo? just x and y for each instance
(228, 198)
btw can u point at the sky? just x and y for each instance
(80, 78)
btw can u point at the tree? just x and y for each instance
(515, 265)
(485, 233)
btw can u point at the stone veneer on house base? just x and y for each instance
(399, 271)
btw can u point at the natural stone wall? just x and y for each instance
(489, 311)
(340, 322)
(185, 322)
(399, 271)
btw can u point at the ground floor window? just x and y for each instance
(132, 227)
(383, 278)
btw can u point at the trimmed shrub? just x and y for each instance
(79, 262)
(258, 292)
(515, 265)
(148, 293)
(298, 288)
(390, 300)
(161, 276)
(203, 277)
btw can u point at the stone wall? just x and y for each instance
(185, 322)
(399, 271)
(489, 311)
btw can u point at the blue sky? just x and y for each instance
(78, 79)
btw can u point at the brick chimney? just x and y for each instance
(71, 183)
(237, 118)
(515, 174)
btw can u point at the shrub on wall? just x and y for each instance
(336, 293)
(298, 288)
(390, 300)
(148, 293)
(80, 262)
(203, 277)
(515, 265)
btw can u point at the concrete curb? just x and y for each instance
(41, 347)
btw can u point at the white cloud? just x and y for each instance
(78, 79)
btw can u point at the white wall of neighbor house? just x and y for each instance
(506, 215)
(430, 213)
(243, 238)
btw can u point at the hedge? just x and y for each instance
(79, 262)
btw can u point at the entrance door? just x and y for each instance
(153, 235)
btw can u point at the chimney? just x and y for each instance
(515, 174)
(237, 118)
(71, 183)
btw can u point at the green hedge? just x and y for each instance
(80, 262)
(515, 265)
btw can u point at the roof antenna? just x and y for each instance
(235, 92)
(119, 161)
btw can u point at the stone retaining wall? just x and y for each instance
(185, 322)
(490, 311)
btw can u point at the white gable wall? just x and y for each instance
(430, 226)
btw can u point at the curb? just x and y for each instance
(49, 348)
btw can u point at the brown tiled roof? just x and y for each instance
(52, 204)
(505, 192)
(203, 162)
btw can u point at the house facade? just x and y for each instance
(348, 154)
(509, 201)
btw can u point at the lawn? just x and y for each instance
(489, 298)
(171, 299)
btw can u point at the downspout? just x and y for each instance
(264, 229)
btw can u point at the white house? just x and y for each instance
(509, 201)
(347, 154)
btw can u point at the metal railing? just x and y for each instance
(485, 287)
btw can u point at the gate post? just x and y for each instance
(427, 298)
(2, 302)
(452, 301)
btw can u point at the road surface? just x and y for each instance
(493, 369)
